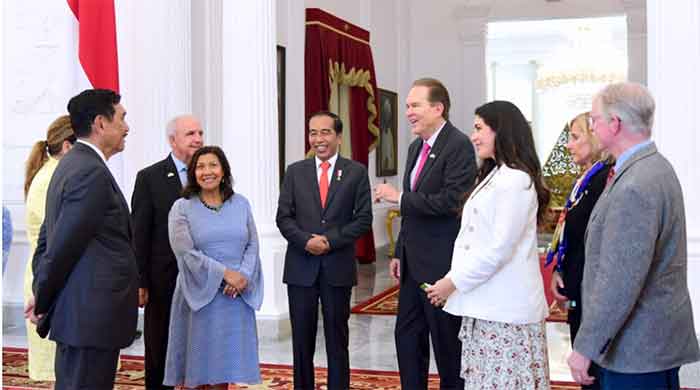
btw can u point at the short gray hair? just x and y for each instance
(171, 126)
(631, 102)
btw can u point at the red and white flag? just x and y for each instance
(97, 41)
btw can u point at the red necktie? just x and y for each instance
(323, 182)
(421, 163)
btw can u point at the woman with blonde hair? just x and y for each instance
(568, 241)
(41, 164)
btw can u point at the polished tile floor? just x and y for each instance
(371, 336)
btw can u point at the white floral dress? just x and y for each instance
(497, 355)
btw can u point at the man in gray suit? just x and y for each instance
(85, 271)
(637, 317)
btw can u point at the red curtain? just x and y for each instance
(333, 40)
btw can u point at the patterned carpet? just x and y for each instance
(387, 303)
(275, 376)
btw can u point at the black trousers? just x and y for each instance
(417, 322)
(155, 338)
(303, 314)
(85, 368)
(574, 320)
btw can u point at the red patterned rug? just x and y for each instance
(275, 376)
(387, 303)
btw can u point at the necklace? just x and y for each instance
(215, 209)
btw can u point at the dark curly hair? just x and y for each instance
(226, 185)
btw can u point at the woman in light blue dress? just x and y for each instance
(213, 337)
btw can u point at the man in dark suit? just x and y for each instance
(439, 171)
(85, 271)
(637, 321)
(324, 207)
(157, 188)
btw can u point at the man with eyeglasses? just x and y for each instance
(637, 322)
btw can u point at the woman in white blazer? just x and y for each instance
(495, 282)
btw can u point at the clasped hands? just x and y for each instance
(235, 283)
(318, 245)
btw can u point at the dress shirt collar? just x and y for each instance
(331, 161)
(181, 169)
(179, 165)
(628, 153)
(95, 148)
(431, 140)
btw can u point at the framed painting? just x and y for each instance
(387, 153)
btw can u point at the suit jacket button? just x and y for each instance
(323, 221)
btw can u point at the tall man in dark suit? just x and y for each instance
(637, 321)
(324, 207)
(439, 171)
(157, 188)
(85, 271)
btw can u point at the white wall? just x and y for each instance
(42, 73)
(39, 73)
(291, 33)
(162, 75)
(674, 38)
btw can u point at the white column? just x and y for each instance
(474, 57)
(295, 139)
(635, 11)
(249, 135)
(405, 77)
(39, 67)
(673, 58)
(207, 67)
(154, 45)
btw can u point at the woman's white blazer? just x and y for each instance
(495, 265)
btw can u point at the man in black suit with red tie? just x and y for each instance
(157, 188)
(324, 207)
(440, 170)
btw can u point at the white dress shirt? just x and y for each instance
(319, 170)
(181, 168)
(495, 265)
(430, 141)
